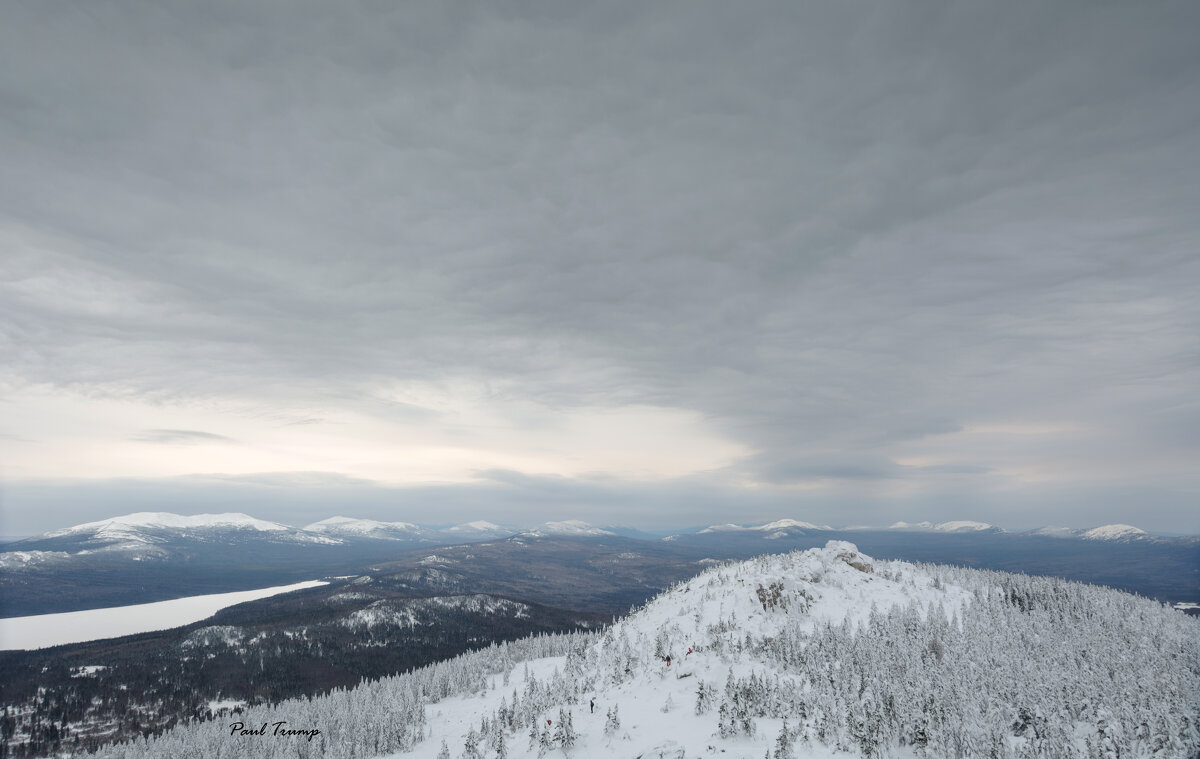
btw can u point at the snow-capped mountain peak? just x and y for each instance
(369, 528)
(164, 520)
(478, 525)
(1114, 532)
(350, 523)
(958, 525)
(777, 525)
(148, 534)
(569, 527)
(911, 526)
(1051, 531)
(963, 525)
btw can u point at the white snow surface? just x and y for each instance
(476, 526)
(1051, 531)
(122, 525)
(18, 559)
(958, 525)
(962, 525)
(778, 524)
(569, 527)
(1113, 532)
(657, 718)
(45, 630)
(368, 528)
(910, 526)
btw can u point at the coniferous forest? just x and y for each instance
(965, 663)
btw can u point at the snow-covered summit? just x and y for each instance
(478, 525)
(357, 525)
(147, 531)
(569, 527)
(370, 528)
(165, 520)
(777, 525)
(1114, 532)
(810, 587)
(957, 525)
(911, 526)
(963, 525)
(1050, 531)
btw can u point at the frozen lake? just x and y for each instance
(45, 630)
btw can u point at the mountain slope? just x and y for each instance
(802, 654)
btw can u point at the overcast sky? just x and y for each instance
(663, 263)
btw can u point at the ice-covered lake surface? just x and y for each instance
(45, 630)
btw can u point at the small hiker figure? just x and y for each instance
(547, 722)
(689, 653)
(593, 705)
(668, 661)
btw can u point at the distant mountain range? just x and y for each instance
(151, 556)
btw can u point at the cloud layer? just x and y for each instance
(915, 261)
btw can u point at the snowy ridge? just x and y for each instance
(370, 528)
(963, 525)
(777, 525)
(816, 654)
(958, 525)
(416, 612)
(1114, 532)
(132, 524)
(910, 526)
(569, 527)
(351, 525)
(1055, 532)
(476, 526)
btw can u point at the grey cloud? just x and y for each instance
(179, 437)
(831, 229)
(799, 468)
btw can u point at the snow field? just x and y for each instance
(656, 704)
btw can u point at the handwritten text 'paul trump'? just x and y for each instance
(239, 728)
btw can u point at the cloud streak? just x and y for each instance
(179, 437)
